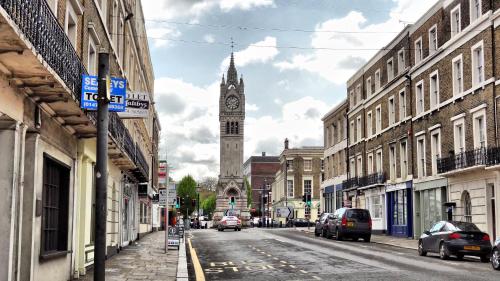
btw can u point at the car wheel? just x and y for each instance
(323, 233)
(338, 237)
(316, 234)
(328, 234)
(235, 229)
(355, 239)
(421, 251)
(239, 229)
(443, 252)
(367, 238)
(460, 257)
(495, 259)
(485, 258)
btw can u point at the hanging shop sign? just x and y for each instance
(116, 91)
(162, 172)
(137, 106)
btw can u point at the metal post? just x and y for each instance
(198, 202)
(101, 168)
(286, 187)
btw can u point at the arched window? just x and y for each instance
(227, 127)
(467, 206)
(232, 128)
(237, 129)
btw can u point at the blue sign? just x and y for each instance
(118, 96)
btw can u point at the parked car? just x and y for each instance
(321, 222)
(349, 223)
(229, 222)
(300, 222)
(495, 255)
(455, 238)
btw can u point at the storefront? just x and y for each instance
(430, 197)
(129, 228)
(329, 199)
(399, 209)
(375, 203)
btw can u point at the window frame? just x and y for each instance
(308, 160)
(433, 46)
(359, 165)
(419, 94)
(304, 179)
(369, 123)
(401, 60)
(378, 119)
(392, 161)
(472, 11)
(403, 162)
(402, 104)
(351, 133)
(369, 163)
(434, 93)
(421, 157)
(391, 107)
(474, 64)
(368, 86)
(290, 187)
(377, 80)
(378, 164)
(476, 133)
(455, 28)
(359, 129)
(420, 57)
(457, 86)
(460, 122)
(390, 69)
(435, 150)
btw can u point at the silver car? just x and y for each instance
(229, 222)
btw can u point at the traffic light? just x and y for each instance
(265, 200)
(177, 202)
(308, 200)
(193, 203)
(232, 202)
(304, 198)
(182, 201)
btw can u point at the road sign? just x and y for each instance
(162, 172)
(173, 236)
(284, 212)
(118, 93)
(163, 197)
(172, 194)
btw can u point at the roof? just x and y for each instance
(262, 159)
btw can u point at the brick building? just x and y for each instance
(303, 176)
(260, 172)
(422, 122)
(334, 157)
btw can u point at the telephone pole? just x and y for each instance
(101, 173)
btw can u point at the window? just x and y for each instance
(115, 21)
(404, 159)
(433, 43)
(458, 83)
(392, 111)
(475, 10)
(421, 157)
(358, 94)
(53, 6)
(351, 98)
(435, 150)
(358, 128)
(55, 206)
(352, 168)
(290, 188)
(434, 89)
(390, 70)
(402, 105)
(419, 95)
(369, 86)
(479, 127)
(455, 21)
(378, 161)
(333, 138)
(121, 35)
(375, 206)
(467, 206)
(308, 187)
(377, 80)
(370, 164)
(92, 57)
(102, 5)
(378, 119)
(419, 55)
(227, 127)
(71, 23)
(459, 132)
(360, 166)
(477, 64)
(401, 61)
(307, 164)
(322, 164)
(289, 164)
(369, 122)
(392, 162)
(340, 135)
(351, 133)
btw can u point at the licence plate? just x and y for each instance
(350, 224)
(231, 223)
(473, 248)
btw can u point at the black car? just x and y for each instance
(299, 223)
(320, 223)
(495, 255)
(349, 223)
(455, 238)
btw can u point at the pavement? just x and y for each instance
(291, 254)
(406, 243)
(145, 260)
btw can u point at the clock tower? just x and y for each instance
(231, 120)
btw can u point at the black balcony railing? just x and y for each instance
(375, 178)
(350, 183)
(39, 25)
(141, 163)
(470, 158)
(372, 179)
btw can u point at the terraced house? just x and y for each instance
(48, 183)
(423, 123)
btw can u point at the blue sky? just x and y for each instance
(295, 57)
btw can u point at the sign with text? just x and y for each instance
(137, 106)
(284, 212)
(162, 172)
(172, 194)
(162, 199)
(118, 90)
(173, 236)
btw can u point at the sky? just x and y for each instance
(295, 57)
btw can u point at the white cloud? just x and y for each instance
(251, 107)
(209, 38)
(228, 5)
(156, 32)
(254, 54)
(339, 64)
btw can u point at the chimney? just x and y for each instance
(263, 153)
(286, 143)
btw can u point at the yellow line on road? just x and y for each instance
(198, 270)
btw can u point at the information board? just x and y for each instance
(173, 236)
(118, 93)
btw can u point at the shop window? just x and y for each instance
(400, 206)
(55, 207)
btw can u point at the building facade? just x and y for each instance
(334, 157)
(260, 172)
(300, 169)
(423, 130)
(46, 48)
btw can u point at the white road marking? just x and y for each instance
(316, 277)
(283, 261)
(303, 271)
(275, 258)
(292, 266)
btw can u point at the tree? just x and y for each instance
(208, 204)
(209, 183)
(249, 193)
(186, 189)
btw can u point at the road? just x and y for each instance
(287, 254)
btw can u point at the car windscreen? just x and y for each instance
(358, 215)
(462, 226)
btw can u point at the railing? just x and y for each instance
(350, 182)
(39, 25)
(371, 179)
(120, 133)
(467, 159)
(141, 162)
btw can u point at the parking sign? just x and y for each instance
(118, 97)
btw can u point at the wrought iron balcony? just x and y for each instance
(38, 24)
(142, 164)
(468, 159)
(350, 183)
(372, 179)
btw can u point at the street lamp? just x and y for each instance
(198, 189)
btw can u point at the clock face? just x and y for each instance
(232, 102)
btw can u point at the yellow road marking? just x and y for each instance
(198, 270)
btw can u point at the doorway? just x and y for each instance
(490, 193)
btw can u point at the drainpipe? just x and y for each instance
(495, 97)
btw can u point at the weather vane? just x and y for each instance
(232, 45)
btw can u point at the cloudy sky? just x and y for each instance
(295, 57)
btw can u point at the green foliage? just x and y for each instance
(208, 204)
(186, 189)
(249, 193)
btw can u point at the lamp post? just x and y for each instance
(198, 189)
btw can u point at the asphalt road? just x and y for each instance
(286, 254)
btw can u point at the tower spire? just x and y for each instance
(232, 74)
